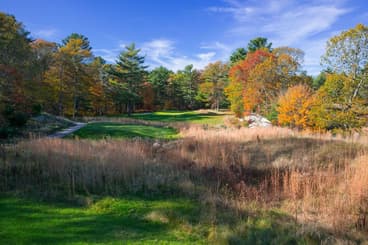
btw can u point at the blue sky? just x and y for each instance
(177, 33)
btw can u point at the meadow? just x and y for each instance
(209, 184)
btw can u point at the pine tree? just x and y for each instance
(130, 72)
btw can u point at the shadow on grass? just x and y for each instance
(110, 220)
(135, 220)
(178, 116)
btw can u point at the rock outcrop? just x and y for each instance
(256, 121)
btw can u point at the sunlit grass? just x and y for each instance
(108, 221)
(118, 130)
(137, 220)
(199, 117)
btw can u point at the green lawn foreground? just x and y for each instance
(138, 220)
(101, 130)
(126, 220)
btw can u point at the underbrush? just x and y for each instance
(251, 183)
(40, 125)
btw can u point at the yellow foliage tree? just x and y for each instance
(332, 108)
(294, 106)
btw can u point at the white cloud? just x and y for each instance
(206, 56)
(285, 23)
(46, 33)
(109, 55)
(162, 52)
(223, 51)
(298, 25)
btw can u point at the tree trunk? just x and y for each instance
(129, 108)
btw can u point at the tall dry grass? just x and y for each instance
(319, 179)
(88, 167)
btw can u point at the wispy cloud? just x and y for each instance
(109, 55)
(222, 50)
(46, 33)
(285, 22)
(162, 52)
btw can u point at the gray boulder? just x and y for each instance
(256, 121)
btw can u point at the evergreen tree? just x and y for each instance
(159, 78)
(238, 55)
(130, 73)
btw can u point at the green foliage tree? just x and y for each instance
(319, 80)
(342, 100)
(259, 43)
(189, 85)
(331, 109)
(238, 55)
(215, 77)
(130, 72)
(348, 53)
(159, 78)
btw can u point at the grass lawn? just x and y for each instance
(118, 130)
(182, 116)
(108, 221)
(137, 220)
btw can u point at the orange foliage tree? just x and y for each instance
(240, 90)
(262, 76)
(294, 106)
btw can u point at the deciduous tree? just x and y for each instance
(294, 106)
(215, 77)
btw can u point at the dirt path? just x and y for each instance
(67, 131)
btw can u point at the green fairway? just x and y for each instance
(138, 220)
(108, 221)
(118, 130)
(182, 116)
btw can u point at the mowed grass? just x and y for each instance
(138, 220)
(211, 118)
(107, 221)
(122, 131)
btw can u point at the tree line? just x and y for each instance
(67, 79)
(270, 82)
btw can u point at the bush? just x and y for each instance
(36, 109)
(6, 132)
(18, 119)
(273, 114)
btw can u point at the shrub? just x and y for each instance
(36, 109)
(18, 119)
